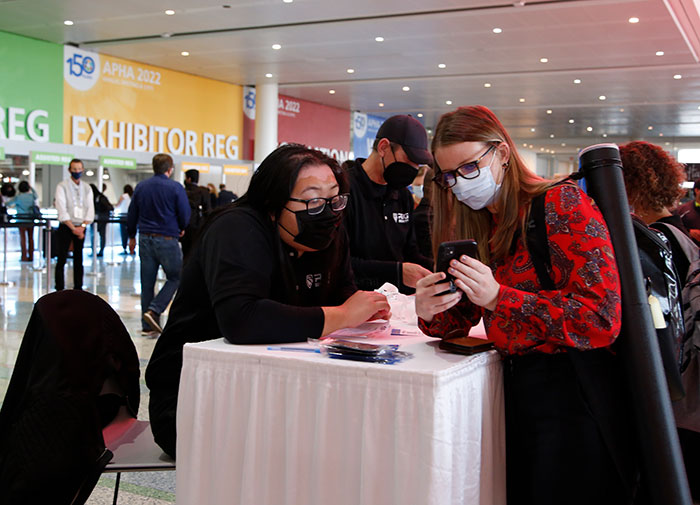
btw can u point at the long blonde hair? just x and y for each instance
(453, 220)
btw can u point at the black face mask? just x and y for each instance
(398, 174)
(316, 232)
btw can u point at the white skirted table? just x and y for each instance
(263, 427)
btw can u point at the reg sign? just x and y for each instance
(81, 69)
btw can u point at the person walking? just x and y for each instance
(160, 212)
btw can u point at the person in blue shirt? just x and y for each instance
(160, 212)
(24, 204)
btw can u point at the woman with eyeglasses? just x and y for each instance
(272, 267)
(566, 439)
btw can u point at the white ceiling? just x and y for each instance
(590, 40)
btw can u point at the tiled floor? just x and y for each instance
(117, 281)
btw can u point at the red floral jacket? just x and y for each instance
(583, 311)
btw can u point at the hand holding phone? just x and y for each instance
(454, 250)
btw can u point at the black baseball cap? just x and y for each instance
(407, 131)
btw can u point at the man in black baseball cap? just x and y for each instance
(379, 215)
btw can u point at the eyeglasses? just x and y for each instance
(469, 170)
(315, 206)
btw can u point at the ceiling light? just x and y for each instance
(563, 144)
(650, 127)
(668, 143)
(89, 173)
(530, 146)
(659, 53)
(622, 110)
(544, 60)
(276, 47)
(350, 71)
(521, 100)
(497, 30)
(331, 91)
(541, 149)
(605, 135)
(185, 53)
(268, 75)
(553, 151)
(549, 111)
(532, 129)
(420, 114)
(441, 65)
(381, 104)
(406, 88)
(698, 107)
(68, 22)
(166, 35)
(571, 121)
(577, 81)
(448, 102)
(379, 39)
(678, 76)
(487, 85)
(551, 135)
(633, 20)
(589, 129)
(524, 145)
(105, 177)
(287, 1)
(25, 172)
(602, 97)
(170, 12)
(661, 134)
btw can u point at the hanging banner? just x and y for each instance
(31, 89)
(50, 158)
(120, 104)
(315, 125)
(190, 165)
(239, 170)
(364, 131)
(116, 162)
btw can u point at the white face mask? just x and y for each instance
(418, 191)
(479, 192)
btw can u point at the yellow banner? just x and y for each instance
(120, 104)
(189, 165)
(236, 169)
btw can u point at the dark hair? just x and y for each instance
(273, 181)
(75, 160)
(95, 191)
(193, 175)
(23, 186)
(162, 163)
(8, 190)
(652, 177)
(128, 190)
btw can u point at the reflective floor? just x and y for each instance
(115, 278)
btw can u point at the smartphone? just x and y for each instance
(454, 250)
(465, 345)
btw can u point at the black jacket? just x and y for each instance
(52, 417)
(380, 225)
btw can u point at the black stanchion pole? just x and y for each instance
(662, 468)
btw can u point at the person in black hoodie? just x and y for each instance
(272, 267)
(380, 220)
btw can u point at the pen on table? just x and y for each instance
(397, 331)
(298, 349)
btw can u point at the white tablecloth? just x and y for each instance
(261, 427)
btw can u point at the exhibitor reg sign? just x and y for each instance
(114, 103)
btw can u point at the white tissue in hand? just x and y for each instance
(403, 307)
